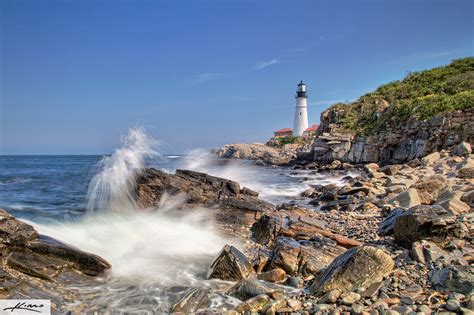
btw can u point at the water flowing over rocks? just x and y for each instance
(30, 262)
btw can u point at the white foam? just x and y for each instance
(112, 188)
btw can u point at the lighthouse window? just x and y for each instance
(300, 113)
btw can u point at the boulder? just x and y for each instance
(391, 169)
(454, 279)
(451, 201)
(230, 264)
(426, 252)
(264, 230)
(424, 222)
(462, 149)
(317, 254)
(274, 275)
(387, 225)
(286, 255)
(406, 199)
(430, 187)
(357, 267)
(234, 207)
(430, 159)
(30, 260)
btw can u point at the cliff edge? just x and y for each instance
(427, 111)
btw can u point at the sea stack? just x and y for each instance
(301, 110)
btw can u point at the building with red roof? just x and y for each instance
(285, 132)
(310, 130)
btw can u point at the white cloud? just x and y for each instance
(207, 76)
(263, 64)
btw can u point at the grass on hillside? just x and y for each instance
(421, 95)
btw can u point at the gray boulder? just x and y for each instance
(424, 222)
(357, 267)
(454, 279)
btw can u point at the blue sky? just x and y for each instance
(76, 74)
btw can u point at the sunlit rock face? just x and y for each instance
(398, 142)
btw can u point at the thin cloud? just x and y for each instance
(208, 76)
(264, 64)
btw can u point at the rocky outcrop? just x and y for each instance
(398, 143)
(29, 260)
(235, 207)
(256, 151)
(358, 267)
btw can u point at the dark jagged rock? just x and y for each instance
(357, 267)
(454, 279)
(236, 207)
(424, 222)
(387, 225)
(89, 264)
(264, 230)
(230, 264)
(194, 300)
(36, 262)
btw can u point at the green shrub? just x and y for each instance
(421, 95)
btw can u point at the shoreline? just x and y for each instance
(291, 246)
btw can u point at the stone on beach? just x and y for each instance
(230, 264)
(357, 267)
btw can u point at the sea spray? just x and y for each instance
(162, 244)
(111, 189)
(146, 246)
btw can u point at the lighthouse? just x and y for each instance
(301, 110)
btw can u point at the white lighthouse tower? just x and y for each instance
(301, 110)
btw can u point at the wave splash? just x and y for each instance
(111, 190)
(161, 245)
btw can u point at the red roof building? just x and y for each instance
(285, 132)
(310, 130)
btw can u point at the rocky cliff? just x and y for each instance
(426, 112)
(397, 143)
